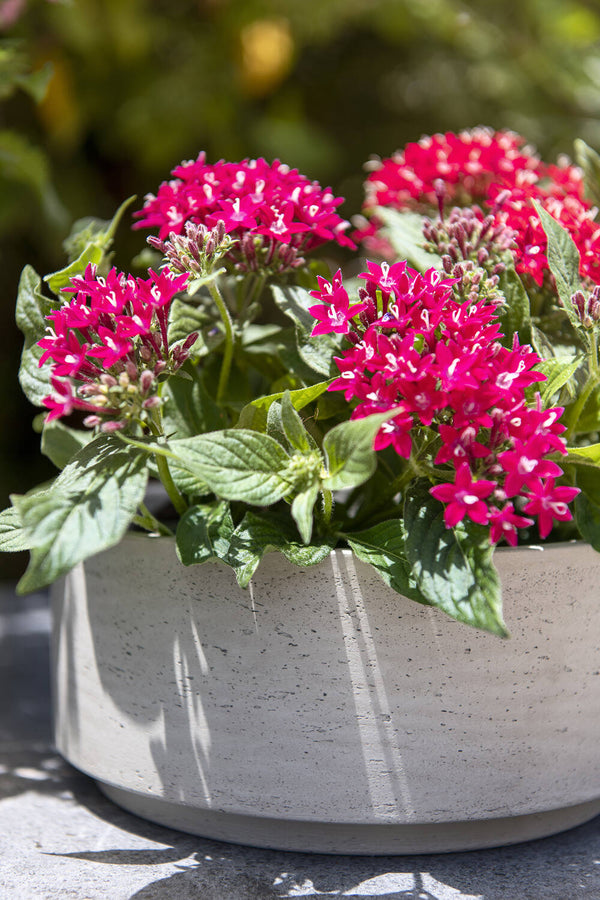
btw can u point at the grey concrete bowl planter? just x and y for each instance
(320, 711)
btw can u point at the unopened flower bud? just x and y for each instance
(146, 381)
(578, 301)
(109, 427)
(151, 402)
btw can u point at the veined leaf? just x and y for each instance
(318, 351)
(204, 533)
(349, 452)
(452, 567)
(13, 538)
(383, 547)
(88, 508)
(558, 372)
(404, 231)
(589, 455)
(60, 279)
(236, 464)
(254, 415)
(563, 259)
(302, 510)
(32, 308)
(60, 443)
(90, 230)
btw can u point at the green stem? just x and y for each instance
(576, 410)
(162, 465)
(327, 505)
(228, 350)
(164, 472)
(150, 523)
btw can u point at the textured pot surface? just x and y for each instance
(319, 704)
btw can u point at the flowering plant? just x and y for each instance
(445, 400)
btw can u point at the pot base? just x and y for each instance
(332, 837)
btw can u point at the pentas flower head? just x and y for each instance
(273, 213)
(465, 165)
(496, 171)
(108, 346)
(437, 363)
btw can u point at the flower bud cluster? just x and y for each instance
(259, 253)
(109, 347)
(438, 367)
(197, 251)
(466, 234)
(587, 308)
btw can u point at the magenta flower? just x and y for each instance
(464, 497)
(109, 344)
(504, 523)
(413, 348)
(497, 171)
(274, 213)
(549, 502)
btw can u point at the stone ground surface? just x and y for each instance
(60, 839)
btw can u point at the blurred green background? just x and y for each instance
(99, 99)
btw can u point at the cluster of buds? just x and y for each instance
(466, 234)
(259, 253)
(472, 283)
(198, 250)
(472, 247)
(123, 397)
(587, 308)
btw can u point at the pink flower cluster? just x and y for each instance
(495, 170)
(108, 346)
(271, 208)
(458, 396)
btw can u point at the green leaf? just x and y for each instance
(60, 443)
(452, 567)
(349, 452)
(254, 415)
(236, 464)
(32, 307)
(88, 508)
(318, 351)
(99, 232)
(204, 532)
(58, 280)
(13, 538)
(302, 510)
(404, 231)
(586, 506)
(294, 428)
(184, 319)
(515, 313)
(189, 409)
(589, 161)
(383, 547)
(558, 372)
(563, 259)
(589, 455)
(260, 534)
